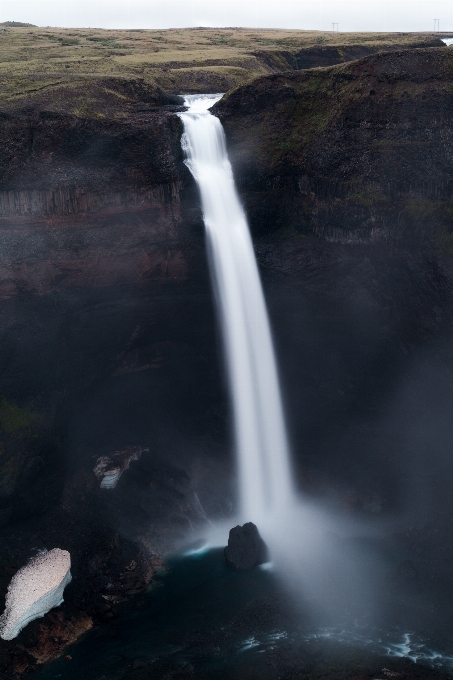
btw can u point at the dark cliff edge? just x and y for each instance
(360, 152)
(111, 186)
(329, 55)
(102, 272)
(107, 332)
(345, 173)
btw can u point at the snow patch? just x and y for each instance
(34, 590)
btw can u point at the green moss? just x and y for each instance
(106, 42)
(395, 144)
(65, 40)
(420, 209)
(432, 221)
(444, 242)
(9, 472)
(14, 420)
(369, 198)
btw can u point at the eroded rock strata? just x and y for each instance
(356, 153)
(346, 176)
(109, 340)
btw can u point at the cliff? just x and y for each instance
(356, 153)
(107, 328)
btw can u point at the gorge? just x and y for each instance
(110, 341)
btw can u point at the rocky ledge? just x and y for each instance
(353, 153)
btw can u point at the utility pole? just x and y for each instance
(436, 24)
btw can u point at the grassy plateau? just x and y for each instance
(88, 72)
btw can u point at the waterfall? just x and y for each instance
(265, 486)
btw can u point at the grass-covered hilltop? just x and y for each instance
(89, 71)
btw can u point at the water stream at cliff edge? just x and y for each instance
(265, 486)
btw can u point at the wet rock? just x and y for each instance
(246, 549)
(56, 632)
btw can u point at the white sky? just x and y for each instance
(351, 15)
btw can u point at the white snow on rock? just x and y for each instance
(34, 590)
(110, 468)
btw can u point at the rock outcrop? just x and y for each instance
(356, 153)
(35, 589)
(246, 549)
(110, 468)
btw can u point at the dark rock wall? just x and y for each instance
(345, 174)
(108, 340)
(43, 150)
(329, 55)
(356, 153)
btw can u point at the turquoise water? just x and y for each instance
(191, 616)
(209, 621)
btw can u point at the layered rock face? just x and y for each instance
(88, 202)
(345, 173)
(357, 153)
(103, 294)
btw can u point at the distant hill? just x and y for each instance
(17, 24)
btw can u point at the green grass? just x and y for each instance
(31, 56)
(14, 420)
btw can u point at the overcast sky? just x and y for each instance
(351, 15)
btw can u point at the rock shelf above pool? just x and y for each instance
(34, 590)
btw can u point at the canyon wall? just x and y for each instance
(108, 331)
(345, 173)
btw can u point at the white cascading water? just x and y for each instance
(304, 539)
(260, 436)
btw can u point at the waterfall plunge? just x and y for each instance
(304, 540)
(260, 437)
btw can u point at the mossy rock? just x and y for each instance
(15, 420)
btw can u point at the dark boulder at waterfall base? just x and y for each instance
(246, 549)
